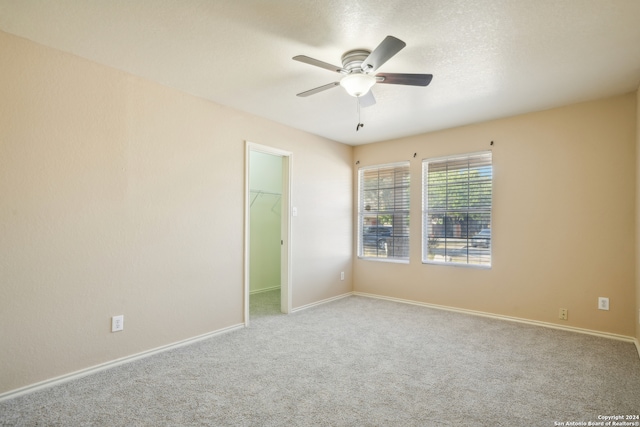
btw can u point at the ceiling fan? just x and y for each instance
(358, 68)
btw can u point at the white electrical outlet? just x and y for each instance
(342, 275)
(603, 303)
(117, 323)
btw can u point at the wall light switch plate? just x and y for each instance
(603, 303)
(117, 323)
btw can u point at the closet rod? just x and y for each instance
(265, 192)
(259, 192)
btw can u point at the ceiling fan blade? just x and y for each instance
(318, 89)
(381, 54)
(404, 79)
(318, 63)
(367, 100)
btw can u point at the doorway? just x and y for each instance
(267, 286)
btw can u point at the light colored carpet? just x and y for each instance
(264, 304)
(355, 362)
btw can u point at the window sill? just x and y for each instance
(391, 260)
(456, 264)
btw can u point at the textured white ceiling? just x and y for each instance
(489, 58)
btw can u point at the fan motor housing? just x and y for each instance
(352, 60)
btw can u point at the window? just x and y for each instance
(456, 214)
(383, 212)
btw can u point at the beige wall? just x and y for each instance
(637, 315)
(563, 218)
(121, 196)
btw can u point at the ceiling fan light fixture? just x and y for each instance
(357, 84)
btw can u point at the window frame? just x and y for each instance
(426, 211)
(361, 214)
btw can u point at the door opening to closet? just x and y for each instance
(267, 290)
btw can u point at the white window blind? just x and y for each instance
(383, 230)
(456, 216)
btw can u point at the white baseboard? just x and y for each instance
(509, 318)
(113, 363)
(324, 301)
(258, 291)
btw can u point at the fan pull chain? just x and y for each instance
(358, 107)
